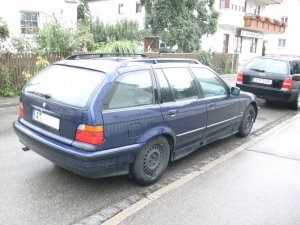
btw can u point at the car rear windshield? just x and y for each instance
(268, 65)
(64, 84)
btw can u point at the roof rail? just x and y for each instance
(102, 55)
(134, 62)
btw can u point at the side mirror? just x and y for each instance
(235, 90)
(296, 77)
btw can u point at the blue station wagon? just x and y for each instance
(107, 115)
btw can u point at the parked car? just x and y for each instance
(273, 79)
(109, 116)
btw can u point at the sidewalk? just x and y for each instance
(9, 101)
(258, 185)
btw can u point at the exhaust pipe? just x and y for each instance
(25, 149)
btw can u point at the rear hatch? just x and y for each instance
(56, 100)
(265, 72)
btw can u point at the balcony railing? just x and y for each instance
(265, 24)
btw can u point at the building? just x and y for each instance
(23, 15)
(110, 11)
(287, 43)
(242, 26)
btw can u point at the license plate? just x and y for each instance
(261, 81)
(46, 119)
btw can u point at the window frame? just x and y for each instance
(27, 28)
(227, 88)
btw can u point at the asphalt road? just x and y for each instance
(35, 191)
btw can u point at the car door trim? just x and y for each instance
(224, 121)
(189, 132)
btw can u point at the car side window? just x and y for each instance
(211, 84)
(165, 90)
(182, 83)
(132, 89)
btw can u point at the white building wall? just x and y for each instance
(291, 9)
(108, 11)
(64, 10)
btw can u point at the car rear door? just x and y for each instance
(222, 108)
(181, 106)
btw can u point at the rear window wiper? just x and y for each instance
(46, 96)
(258, 70)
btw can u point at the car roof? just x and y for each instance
(277, 57)
(108, 62)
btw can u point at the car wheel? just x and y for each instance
(247, 122)
(151, 161)
(296, 103)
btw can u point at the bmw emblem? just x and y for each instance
(44, 104)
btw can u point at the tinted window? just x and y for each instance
(165, 90)
(211, 84)
(132, 89)
(268, 65)
(67, 85)
(182, 83)
(295, 67)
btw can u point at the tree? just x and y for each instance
(55, 38)
(83, 11)
(181, 22)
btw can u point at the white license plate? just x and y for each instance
(46, 119)
(261, 81)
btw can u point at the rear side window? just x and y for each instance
(211, 84)
(66, 85)
(295, 67)
(132, 89)
(182, 83)
(268, 65)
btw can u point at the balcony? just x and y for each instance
(264, 24)
(269, 2)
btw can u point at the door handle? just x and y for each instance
(212, 106)
(172, 112)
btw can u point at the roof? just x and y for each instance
(280, 57)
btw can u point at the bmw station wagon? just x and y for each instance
(101, 115)
(273, 79)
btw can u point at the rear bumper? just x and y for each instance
(270, 94)
(104, 163)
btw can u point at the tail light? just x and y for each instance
(287, 83)
(90, 134)
(21, 110)
(239, 79)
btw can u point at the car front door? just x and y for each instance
(181, 106)
(222, 107)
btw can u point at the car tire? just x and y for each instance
(151, 161)
(247, 122)
(296, 103)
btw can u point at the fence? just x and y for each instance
(25, 62)
(20, 63)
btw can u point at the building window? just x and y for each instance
(281, 43)
(29, 22)
(138, 7)
(224, 4)
(225, 43)
(253, 45)
(284, 19)
(121, 8)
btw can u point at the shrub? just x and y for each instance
(122, 46)
(9, 89)
(4, 32)
(55, 38)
